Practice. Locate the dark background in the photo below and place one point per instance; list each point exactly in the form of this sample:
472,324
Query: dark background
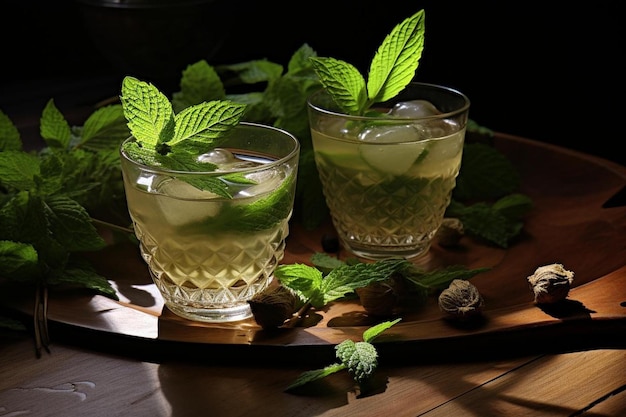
542,70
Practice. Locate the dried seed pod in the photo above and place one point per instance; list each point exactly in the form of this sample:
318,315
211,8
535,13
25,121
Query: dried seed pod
551,283
450,232
461,299
380,298
273,306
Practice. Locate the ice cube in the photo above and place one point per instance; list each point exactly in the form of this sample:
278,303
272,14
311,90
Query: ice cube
217,156
391,134
176,207
225,160
391,149
265,181
414,109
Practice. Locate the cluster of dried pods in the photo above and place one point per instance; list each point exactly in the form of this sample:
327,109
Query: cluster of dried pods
461,300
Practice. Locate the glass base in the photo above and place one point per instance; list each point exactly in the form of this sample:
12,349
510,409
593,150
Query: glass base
211,315
412,253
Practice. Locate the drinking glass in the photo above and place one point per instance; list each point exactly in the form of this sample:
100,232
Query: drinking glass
388,176
207,254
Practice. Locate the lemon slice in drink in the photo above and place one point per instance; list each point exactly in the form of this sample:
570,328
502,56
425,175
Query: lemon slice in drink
392,151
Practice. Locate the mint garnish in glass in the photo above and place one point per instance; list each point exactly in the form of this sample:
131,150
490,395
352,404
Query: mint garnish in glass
392,68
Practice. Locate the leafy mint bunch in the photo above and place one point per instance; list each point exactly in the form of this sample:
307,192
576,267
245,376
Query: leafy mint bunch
175,141
165,138
391,69
48,198
360,359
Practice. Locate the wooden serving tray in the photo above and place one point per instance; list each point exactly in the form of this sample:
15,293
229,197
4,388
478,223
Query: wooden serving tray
578,220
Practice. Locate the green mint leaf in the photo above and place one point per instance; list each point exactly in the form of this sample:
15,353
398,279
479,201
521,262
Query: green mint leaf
483,221
514,206
104,129
10,139
299,63
441,278
82,275
485,174
397,59
373,332
70,225
310,376
250,72
204,124
18,169
325,263
148,111
344,83
22,219
199,82
345,279
18,261
54,128
305,281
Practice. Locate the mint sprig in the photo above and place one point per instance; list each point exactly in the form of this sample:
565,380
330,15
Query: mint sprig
359,358
174,141
155,126
392,68
311,286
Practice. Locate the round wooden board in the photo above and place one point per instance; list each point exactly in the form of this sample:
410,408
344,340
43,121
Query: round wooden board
578,220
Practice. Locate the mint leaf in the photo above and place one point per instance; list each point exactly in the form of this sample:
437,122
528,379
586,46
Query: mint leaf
18,169
71,225
104,129
343,82
325,263
203,124
485,174
80,274
305,281
397,59
514,206
54,128
18,260
483,221
441,278
10,139
199,82
391,69
148,111
310,376
373,332
345,279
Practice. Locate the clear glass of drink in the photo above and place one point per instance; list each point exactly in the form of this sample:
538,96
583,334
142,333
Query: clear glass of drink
388,176
208,255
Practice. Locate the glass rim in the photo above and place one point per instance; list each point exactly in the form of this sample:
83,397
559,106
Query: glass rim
336,113
160,169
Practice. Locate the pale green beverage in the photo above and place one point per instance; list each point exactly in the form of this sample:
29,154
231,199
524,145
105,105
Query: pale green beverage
388,178
207,254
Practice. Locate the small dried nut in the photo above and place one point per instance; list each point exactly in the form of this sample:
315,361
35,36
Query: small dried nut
450,232
273,306
379,298
461,299
550,283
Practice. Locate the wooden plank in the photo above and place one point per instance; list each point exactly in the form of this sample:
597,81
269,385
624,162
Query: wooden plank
551,386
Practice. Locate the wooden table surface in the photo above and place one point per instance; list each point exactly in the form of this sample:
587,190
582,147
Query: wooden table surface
525,361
